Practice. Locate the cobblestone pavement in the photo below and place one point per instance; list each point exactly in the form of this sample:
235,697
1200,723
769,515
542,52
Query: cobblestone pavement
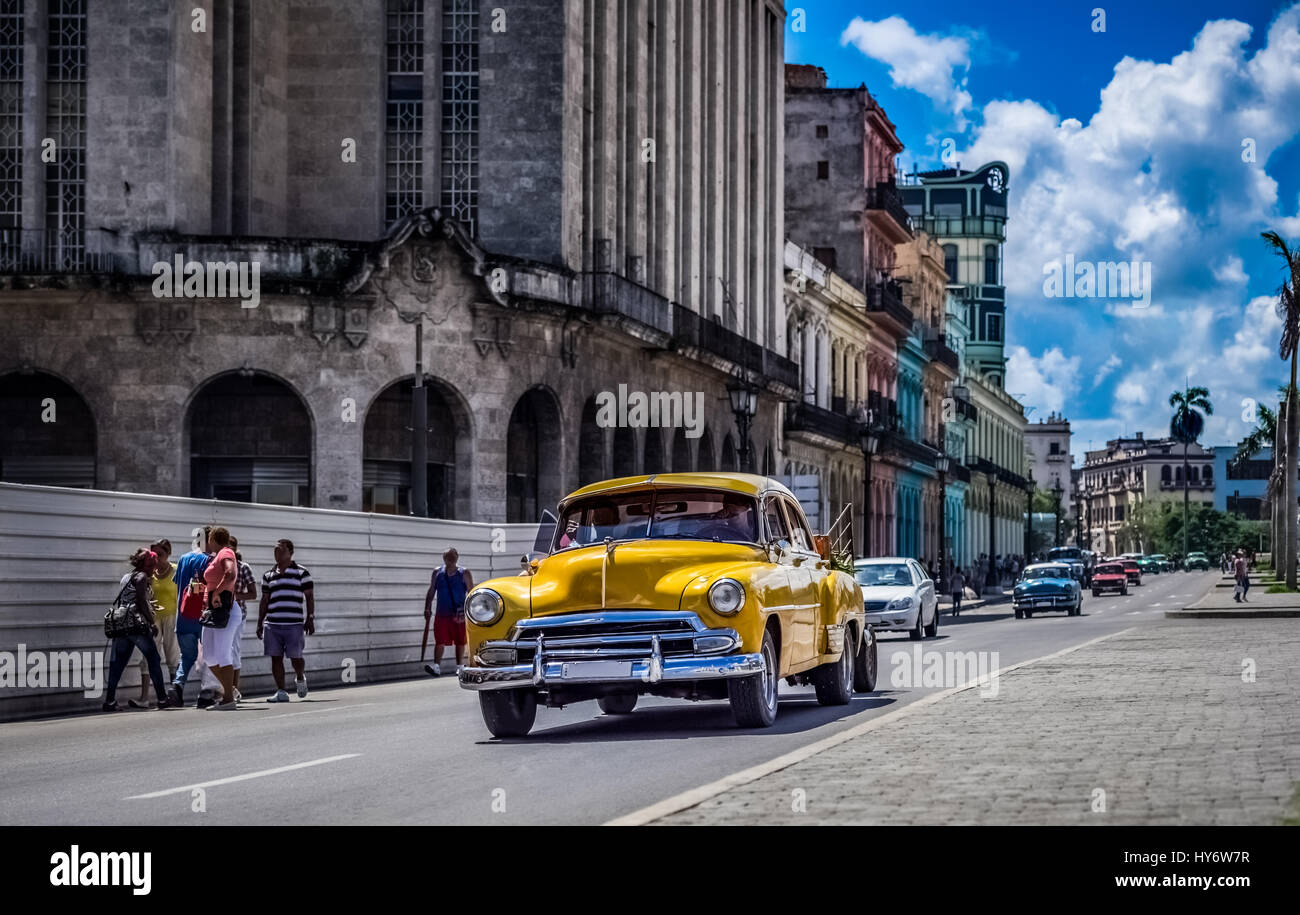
1159,718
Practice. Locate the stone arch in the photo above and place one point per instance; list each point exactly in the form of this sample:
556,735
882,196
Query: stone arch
729,461
681,452
386,450
591,446
50,435
249,438
534,451
624,452
704,456
654,461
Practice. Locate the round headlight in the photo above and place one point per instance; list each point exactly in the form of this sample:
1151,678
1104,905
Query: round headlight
900,603
484,607
726,596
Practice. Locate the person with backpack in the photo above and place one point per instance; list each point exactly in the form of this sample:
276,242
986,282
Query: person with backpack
449,584
137,593
189,576
220,619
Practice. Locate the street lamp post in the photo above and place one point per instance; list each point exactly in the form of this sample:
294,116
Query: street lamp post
941,464
870,439
991,579
1029,519
1056,511
744,405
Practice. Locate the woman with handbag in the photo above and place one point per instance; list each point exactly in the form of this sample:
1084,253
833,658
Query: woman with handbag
220,625
131,625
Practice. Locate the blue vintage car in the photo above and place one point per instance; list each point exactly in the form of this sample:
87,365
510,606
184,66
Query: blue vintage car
1047,586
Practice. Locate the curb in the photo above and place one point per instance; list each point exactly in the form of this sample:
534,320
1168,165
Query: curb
1225,613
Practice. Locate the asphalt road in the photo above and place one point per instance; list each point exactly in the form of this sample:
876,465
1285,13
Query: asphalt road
417,752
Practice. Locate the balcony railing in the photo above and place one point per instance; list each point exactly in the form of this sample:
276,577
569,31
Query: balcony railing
1194,484
691,329
948,226
885,196
912,450
807,417
37,252
887,298
939,351
609,293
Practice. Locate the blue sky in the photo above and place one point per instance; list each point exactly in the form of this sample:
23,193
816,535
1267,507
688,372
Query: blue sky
1124,144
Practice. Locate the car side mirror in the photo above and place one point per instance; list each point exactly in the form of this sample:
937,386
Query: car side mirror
779,549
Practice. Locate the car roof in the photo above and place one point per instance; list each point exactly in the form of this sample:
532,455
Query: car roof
1048,565
881,560
745,483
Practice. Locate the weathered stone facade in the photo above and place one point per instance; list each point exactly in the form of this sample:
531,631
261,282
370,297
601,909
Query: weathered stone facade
591,258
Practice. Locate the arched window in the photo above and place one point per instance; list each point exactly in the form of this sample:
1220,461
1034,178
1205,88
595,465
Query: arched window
49,432
591,446
251,441
386,451
1207,473
1166,474
533,456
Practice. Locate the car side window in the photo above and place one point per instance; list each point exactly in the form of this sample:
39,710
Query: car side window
776,526
918,573
798,527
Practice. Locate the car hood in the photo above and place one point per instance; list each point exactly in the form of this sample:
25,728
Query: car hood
638,575
1045,584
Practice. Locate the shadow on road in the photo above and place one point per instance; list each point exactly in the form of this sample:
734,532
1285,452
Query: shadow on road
798,713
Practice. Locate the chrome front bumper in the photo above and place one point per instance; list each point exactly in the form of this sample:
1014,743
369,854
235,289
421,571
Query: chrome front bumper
632,648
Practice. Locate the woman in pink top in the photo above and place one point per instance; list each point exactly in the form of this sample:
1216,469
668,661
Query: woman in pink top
219,644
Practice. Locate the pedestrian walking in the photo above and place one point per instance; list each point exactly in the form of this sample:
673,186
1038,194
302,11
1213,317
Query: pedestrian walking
137,592
285,616
245,591
221,620
449,584
1241,572
164,607
958,586
188,578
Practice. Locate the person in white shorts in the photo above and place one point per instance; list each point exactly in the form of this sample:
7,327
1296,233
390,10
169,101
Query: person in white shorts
219,579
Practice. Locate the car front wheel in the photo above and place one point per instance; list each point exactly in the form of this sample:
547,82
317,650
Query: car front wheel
508,712
917,632
753,699
933,629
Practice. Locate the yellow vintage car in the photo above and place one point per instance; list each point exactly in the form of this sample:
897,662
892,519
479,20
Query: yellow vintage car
689,586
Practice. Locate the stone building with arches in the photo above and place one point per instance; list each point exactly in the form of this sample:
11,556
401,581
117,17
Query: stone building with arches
387,165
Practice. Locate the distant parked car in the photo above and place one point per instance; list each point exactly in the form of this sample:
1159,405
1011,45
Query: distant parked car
1155,564
1109,576
1196,561
1047,586
898,596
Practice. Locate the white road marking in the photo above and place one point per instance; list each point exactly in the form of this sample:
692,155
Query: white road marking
1134,612
698,795
242,778
315,711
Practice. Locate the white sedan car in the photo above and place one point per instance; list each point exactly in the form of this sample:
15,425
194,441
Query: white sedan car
898,595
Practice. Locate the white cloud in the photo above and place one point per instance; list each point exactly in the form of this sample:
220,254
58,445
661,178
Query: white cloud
934,65
1044,382
1231,272
1107,367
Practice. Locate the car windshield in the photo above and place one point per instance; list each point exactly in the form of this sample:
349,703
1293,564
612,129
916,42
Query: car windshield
1044,573
685,514
1111,569
883,574
1066,552
1159,556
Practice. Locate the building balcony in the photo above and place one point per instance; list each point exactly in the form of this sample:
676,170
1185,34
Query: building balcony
885,208
609,293
809,418
36,252
939,351
973,226
1194,485
885,300
693,330
900,445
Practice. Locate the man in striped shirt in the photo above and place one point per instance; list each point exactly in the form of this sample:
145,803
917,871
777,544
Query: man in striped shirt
286,614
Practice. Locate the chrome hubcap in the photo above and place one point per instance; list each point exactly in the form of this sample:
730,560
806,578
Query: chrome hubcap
769,677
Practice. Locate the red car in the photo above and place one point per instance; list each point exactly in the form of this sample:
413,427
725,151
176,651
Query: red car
1109,576
1132,570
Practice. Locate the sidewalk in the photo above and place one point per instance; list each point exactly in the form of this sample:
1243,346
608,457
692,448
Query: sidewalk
985,600
1157,718
1218,603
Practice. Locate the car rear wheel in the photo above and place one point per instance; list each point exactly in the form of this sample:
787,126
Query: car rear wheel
864,668
753,699
933,629
834,682
1096,593
1124,591
508,712
1020,614
620,704
1029,614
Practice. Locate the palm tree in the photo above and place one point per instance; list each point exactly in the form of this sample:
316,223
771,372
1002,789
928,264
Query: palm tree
1288,309
1186,427
1265,435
